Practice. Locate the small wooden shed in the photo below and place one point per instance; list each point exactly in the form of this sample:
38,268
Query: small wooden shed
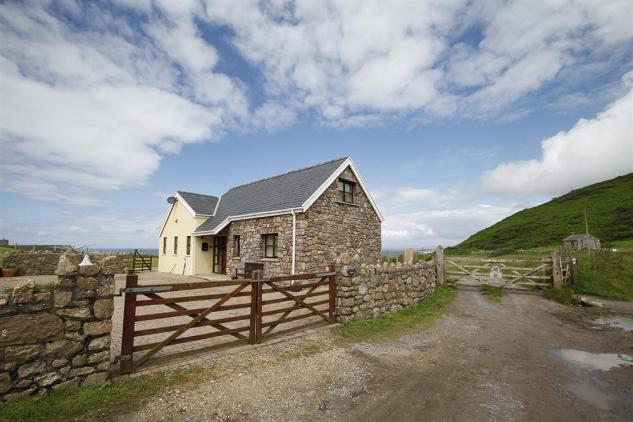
581,242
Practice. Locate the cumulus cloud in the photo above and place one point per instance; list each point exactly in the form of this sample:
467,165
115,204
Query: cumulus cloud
426,217
358,62
95,109
92,97
592,150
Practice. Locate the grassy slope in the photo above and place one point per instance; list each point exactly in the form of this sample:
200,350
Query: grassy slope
609,208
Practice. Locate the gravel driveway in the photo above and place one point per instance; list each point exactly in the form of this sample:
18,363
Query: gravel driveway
524,358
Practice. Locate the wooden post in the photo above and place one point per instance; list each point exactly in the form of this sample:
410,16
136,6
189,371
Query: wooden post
439,264
573,266
332,287
255,333
557,271
127,340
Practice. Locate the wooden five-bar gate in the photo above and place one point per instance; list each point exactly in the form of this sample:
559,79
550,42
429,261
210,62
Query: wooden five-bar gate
506,272
244,309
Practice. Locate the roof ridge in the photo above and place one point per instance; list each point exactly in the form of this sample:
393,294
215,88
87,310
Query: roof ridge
288,172
196,193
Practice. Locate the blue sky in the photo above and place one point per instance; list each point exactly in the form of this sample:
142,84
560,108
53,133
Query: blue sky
457,113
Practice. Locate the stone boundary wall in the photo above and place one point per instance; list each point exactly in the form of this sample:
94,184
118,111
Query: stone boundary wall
364,292
57,338
45,263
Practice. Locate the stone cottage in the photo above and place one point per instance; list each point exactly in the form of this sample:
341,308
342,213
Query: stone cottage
581,242
294,222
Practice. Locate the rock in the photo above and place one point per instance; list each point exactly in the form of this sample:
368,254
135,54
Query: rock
31,369
103,308
87,283
98,328
66,266
24,383
20,395
99,357
74,336
79,313
588,302
96,379
99,343
110,265
62,298
22,353
5,382
9,366
23,293
67,384
105,290
48,379
57,363
88,269
65,282
79,360
42,297
72,325
103,366
27,329
62,348
77,372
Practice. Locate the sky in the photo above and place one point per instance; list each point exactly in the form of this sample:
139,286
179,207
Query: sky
457,113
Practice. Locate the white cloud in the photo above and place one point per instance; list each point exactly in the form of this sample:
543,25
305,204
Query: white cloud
84,111
593,150
356,62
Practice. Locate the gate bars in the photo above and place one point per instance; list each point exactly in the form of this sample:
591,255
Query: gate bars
262,313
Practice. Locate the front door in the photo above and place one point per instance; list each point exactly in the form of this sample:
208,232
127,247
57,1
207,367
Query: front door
219,254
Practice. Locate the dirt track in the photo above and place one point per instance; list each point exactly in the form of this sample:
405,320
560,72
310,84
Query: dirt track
480,361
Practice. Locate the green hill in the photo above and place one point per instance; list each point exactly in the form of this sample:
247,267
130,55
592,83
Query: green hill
609,208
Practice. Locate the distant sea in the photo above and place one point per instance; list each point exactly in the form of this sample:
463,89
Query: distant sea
396,252
142,251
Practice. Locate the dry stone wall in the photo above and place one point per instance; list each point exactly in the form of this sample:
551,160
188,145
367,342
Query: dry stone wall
369,291
45,263
59,337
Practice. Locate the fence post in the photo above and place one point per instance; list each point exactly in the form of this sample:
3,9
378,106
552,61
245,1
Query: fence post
332,286
439,265
255,332
573,266
557,271
126,364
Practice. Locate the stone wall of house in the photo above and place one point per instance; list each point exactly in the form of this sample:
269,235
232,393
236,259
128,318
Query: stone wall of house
59,337
252,244
45,263
330,231
338,232
375,290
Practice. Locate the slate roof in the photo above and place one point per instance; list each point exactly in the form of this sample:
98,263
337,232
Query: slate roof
200,204
579,237
288,190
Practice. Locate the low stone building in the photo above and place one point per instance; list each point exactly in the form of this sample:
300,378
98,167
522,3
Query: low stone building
581,242
295,222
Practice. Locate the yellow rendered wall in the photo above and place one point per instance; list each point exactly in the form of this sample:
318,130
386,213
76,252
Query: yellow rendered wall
180,223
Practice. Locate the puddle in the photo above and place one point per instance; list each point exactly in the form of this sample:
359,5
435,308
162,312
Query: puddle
616,321
592,361
591,394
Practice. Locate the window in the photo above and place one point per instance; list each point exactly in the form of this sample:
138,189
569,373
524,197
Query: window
346,191
188,245
236,246
176,245
164,245
270,245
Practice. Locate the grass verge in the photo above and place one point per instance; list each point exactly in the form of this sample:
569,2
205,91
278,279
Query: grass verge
564,295
607,274
492,292
94,401
398,323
